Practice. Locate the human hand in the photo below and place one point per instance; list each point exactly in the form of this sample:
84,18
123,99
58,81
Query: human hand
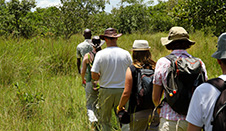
84,83
119,109
96,85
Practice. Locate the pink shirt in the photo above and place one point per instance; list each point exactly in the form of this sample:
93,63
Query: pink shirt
160,79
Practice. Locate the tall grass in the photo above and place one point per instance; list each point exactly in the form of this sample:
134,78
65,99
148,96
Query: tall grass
40,86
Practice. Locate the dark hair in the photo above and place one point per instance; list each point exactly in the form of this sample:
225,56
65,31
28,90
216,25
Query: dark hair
87,34
96,43
98,49
142,58
179,44
223,61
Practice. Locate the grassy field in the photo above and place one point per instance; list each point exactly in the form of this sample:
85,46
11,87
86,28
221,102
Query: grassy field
41,89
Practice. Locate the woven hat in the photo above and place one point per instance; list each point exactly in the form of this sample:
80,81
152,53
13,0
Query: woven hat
221,47
140,45
96,42
110,32
176,33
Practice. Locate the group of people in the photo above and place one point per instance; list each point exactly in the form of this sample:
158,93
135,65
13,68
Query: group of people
109,76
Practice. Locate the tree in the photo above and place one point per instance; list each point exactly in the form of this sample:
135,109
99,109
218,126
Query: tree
74,15
14,14
201,14
133,17
3,14
100,21
160,18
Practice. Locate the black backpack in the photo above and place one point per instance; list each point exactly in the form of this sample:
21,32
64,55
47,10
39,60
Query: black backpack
219,113
184,75
144,88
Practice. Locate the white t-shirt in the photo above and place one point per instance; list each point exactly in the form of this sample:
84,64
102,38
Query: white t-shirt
202,104
112,63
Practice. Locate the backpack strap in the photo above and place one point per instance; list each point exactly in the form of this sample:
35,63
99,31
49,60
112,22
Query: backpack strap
218,83
221,86
134,74
171,57
137,74
91,56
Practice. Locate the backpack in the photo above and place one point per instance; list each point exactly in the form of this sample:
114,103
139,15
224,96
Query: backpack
144,88
184,75
219,113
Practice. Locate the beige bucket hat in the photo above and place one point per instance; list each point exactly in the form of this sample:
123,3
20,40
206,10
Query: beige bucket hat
176,33
140,45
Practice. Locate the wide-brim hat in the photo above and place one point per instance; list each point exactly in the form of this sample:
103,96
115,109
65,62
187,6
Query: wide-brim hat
221,47
140,45
97,38
110,32
176,33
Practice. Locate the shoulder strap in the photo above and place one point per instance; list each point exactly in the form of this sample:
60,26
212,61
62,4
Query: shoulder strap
91,56
171,57
136,72
221,86
132,68
218,83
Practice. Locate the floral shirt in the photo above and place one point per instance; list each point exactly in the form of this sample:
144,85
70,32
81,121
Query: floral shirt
160,78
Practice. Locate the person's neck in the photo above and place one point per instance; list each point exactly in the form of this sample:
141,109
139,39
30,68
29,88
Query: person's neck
94,51
224,72
112,45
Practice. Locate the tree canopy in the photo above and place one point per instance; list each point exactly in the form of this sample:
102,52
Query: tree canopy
72,16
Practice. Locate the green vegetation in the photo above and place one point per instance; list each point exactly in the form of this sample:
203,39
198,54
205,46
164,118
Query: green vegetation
40,86
132,16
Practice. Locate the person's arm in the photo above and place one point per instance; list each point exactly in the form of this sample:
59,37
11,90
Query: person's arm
78,64
156,94
95,76
192,127
95,70
127,90
84,66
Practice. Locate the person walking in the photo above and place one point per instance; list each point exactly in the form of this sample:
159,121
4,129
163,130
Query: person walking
91,86
177,41
201,108
141,59
83,48
109,68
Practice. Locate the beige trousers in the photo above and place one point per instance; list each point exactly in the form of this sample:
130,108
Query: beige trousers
170,125
108,99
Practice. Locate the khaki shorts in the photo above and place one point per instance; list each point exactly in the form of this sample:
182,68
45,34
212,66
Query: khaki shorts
170,125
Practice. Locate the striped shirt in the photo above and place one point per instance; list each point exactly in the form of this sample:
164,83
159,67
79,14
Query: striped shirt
160,78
